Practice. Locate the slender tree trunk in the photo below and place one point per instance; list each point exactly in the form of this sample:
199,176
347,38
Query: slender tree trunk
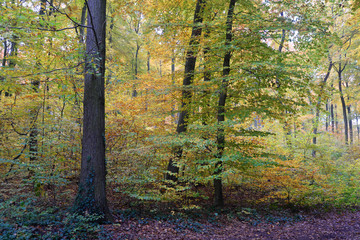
327,116
5,53
205,94
317,110
82,22
160,68
220,138
351,135
186,96
343,104
332,118
91,196
173,83
134,93
287,127
34,132
358,127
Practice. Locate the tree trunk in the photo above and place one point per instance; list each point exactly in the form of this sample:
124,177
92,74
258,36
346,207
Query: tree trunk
83,21
358,127
34,132
134,93
350,119
91,196
220,137
317,114
336,120
343,104
327,116
5,53
350,125
186,96
332,118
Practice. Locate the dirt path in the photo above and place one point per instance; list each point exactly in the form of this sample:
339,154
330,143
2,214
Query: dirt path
326,226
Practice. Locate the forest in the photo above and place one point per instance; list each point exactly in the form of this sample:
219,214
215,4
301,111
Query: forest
182,119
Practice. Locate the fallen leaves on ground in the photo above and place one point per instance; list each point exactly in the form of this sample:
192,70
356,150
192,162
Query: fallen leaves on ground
326,226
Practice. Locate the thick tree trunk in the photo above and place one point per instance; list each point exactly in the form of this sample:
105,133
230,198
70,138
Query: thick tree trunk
186,96
91,197
220,138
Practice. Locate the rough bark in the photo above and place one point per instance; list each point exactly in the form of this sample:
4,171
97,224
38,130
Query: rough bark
91,196
186,96
220,138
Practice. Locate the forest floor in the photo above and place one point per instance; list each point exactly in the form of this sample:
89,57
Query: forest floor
43,218
330,225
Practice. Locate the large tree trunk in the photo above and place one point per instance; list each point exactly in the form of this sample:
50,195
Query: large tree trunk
186,96
220,138
91,197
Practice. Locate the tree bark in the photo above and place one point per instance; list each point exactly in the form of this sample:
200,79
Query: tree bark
186,96
343,104
332,118
135,93
351,135
350,125
327,116
91,196
220,138
82,22
317,113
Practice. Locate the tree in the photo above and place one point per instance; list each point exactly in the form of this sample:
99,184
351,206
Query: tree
220,138
190,62
91,197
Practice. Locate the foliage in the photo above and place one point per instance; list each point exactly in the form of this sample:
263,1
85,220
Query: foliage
26,219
